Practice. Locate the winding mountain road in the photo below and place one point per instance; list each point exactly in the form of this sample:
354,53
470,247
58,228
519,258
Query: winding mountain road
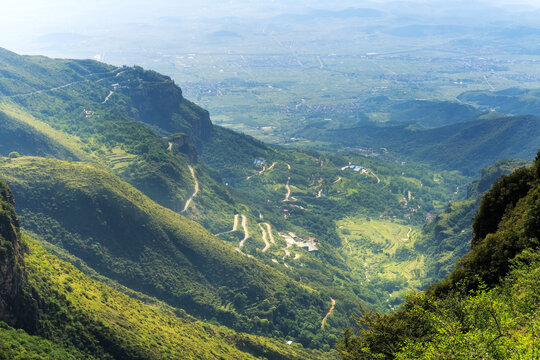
287,196
269,229
265,239
235,225
323,322
108,97
263,170
246,232
408,235
68,84
188,202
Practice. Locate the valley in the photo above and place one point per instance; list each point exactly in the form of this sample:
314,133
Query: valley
134,185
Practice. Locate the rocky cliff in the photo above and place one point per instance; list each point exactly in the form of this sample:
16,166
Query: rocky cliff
159,102
12,275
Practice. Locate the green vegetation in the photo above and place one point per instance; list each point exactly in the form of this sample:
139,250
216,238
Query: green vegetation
382,253
72,316
363,212
447,238
125,236
509,101
466,146
488,306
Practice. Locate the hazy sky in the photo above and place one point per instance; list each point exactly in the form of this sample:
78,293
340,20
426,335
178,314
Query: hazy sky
22,22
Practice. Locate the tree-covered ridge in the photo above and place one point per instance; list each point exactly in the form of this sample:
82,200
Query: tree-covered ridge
487,306
448,237
467,146
122,234
146,153
70,316
510,101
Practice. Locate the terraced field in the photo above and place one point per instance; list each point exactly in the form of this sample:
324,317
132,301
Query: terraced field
382,251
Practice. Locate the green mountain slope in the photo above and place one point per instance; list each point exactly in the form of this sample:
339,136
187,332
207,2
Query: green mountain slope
135,135
509,101
70,316
447,238
122,234
467,146
488,306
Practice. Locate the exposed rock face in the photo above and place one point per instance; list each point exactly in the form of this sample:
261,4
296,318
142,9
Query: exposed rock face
12,276
159,102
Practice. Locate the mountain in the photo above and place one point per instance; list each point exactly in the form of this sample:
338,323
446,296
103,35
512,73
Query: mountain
123,235
448,237
509,101
487,305
138,180
60,313
467,146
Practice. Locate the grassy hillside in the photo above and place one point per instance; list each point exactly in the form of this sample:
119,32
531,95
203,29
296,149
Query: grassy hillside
74,317
488,306
124,235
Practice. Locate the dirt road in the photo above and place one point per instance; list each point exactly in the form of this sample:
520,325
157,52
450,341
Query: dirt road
265,239
108,97
329,312
196,188
246,232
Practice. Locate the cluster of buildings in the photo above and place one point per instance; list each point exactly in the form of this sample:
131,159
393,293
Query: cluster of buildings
305,242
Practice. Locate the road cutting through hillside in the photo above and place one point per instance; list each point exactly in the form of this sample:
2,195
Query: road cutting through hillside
263,170
337,180
246,232
408,235
372,173
329,313
270,235
66,85
264,237
235,225
196,188
108,97
288,191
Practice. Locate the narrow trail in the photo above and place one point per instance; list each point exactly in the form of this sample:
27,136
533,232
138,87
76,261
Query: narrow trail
269,229
337,180
196,188
68,84
265,239
323,322
108,97
235,225
408,235
263,170
243,253
246,232
372,173
169,148
287,196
